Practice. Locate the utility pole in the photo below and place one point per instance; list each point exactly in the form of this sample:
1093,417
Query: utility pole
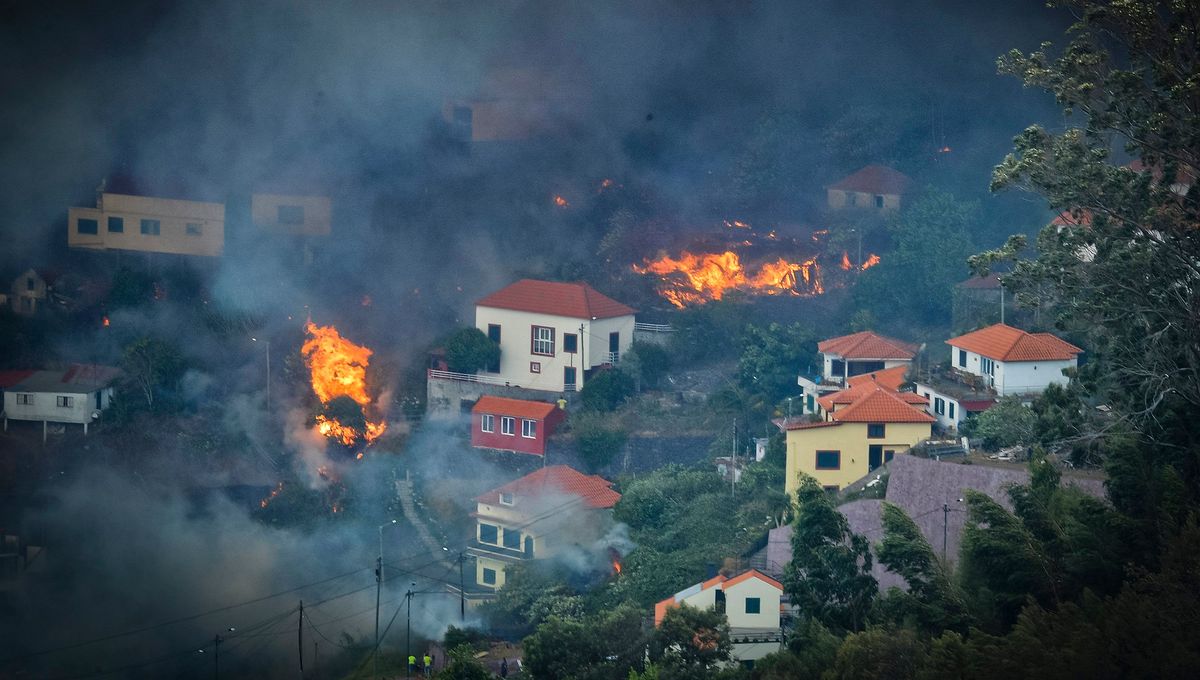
462,589
378,589
300,638
733,463
217,640
1002,303
945,528
408,631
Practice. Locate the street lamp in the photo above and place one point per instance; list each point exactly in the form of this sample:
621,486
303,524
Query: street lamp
268,344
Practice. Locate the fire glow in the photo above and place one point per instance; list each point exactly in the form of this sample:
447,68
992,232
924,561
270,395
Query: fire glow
871,261
338,368
696,279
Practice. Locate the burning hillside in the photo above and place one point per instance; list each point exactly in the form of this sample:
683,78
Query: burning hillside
338,370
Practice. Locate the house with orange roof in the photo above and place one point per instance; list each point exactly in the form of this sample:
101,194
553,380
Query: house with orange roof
832,403
855,438
994,362
552,335
751,604
513,424
863,352
552,510
875,187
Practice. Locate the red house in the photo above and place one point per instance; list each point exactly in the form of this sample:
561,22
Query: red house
513,424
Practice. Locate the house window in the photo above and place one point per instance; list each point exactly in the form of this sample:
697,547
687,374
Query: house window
529,428
543,341
508,425
962,358
506,498
291,214
65,402
30,284
939,406
888,455
487,423
535,367
878,201
512,539
831,487
192,229
116,225
875,430
25,399
987,366
753,605
952,410
851,199
489,576
151,227
86,226
829,460
493,334
570,343
489,533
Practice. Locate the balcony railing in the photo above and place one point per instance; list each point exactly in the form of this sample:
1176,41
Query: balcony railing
466,377
653,327
612,358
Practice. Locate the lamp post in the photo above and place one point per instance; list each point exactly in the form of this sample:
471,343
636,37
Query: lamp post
408,630
268,344
378,591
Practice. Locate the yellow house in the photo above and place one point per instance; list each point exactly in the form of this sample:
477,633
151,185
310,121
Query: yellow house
292,214
854,440
750,602
533,517
875,187
149,225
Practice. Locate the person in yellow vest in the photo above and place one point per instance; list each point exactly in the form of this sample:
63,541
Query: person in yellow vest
412,663
428,664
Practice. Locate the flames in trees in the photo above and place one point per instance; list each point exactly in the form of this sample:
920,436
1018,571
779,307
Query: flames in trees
847,265
698,278
338,369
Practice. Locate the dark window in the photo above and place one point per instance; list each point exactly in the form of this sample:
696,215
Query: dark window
86,226
291,214
951,410
25,399
962,358
569,378
988,366
939,406
570,343
30,284
488,424
875,430
829,460
489,534
888,456
116,224
508,425
65,402
192,229
489,576
512,539
535,367
719,601
151,227
493,335
753,605
878,201
529,429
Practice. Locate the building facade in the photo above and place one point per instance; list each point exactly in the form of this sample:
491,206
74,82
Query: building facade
513,424
1012,361
865,352
875,187
296,215
750,602
76,395
149,225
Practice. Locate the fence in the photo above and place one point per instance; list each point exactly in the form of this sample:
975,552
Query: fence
466,377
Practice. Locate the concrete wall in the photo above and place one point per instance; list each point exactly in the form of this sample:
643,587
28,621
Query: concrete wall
444,398
317,214
851,440
27,298
945,420
735,604
175,218
838,199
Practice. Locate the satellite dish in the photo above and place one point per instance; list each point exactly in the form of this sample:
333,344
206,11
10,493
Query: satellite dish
95,415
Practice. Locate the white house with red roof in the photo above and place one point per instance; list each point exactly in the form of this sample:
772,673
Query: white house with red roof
863,352
551,334
993,362
552,510
750,602
875,187
513,424
76,395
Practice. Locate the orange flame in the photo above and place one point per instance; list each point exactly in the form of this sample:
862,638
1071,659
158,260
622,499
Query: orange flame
696,279
270,497
105,322
561,202
338,368
845,261
737,224
616,567
872,260
605,184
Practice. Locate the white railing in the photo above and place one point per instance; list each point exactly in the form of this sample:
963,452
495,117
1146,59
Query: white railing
612,358
653,327
466,377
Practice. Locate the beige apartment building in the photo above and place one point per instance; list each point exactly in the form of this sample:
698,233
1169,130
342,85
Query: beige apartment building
149,225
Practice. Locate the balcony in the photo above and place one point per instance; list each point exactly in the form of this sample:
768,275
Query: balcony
466,377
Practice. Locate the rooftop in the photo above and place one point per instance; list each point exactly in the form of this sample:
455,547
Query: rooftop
875,179
867,345
573,300
1005,343
881,406
520,408
719,581
77,379
593,490
954,385
857,390
891,378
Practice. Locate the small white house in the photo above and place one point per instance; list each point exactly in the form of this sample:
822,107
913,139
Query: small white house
750,602
1012,361
76,395
552,335
864,352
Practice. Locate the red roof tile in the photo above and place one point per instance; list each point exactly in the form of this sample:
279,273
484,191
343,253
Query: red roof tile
867,345
1001,342
809,426
855,392
573,300
881,406
593,490
875,179
891,378
1069,218
513,407
10,378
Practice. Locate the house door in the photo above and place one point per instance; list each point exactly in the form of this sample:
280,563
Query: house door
614,347
98,399
569,378
874,456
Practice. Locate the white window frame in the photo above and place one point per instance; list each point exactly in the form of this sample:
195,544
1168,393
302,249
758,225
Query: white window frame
508,425
542,343
528,428
987,366
24,399
506,499
487,423
65,401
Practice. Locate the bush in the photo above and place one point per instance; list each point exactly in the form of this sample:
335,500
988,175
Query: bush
648,362
1008,423
469,350
597,440
606,391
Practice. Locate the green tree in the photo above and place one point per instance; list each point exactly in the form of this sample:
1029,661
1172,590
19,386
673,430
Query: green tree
829,577
606,645
469,350
647,362
691,641
463,665
606,390
153,368
773,356
878,654
598,439
1007,423
932,601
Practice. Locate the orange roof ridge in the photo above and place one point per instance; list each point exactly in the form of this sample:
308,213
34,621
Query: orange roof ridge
572,300
1002,342
881,406
867,345
752,573
874,179
594,491
891,378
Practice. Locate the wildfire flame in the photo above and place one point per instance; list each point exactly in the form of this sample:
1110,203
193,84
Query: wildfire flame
561,202
871,261
338,368
270,497
106,322
616,567
845,261
696,279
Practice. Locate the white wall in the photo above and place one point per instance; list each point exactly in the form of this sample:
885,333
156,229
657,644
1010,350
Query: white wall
943,419
45,406
1030,377
735,604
